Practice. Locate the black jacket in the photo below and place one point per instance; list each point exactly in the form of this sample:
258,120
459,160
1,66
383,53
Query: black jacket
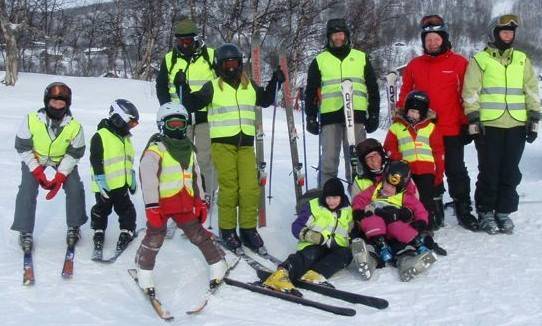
314,82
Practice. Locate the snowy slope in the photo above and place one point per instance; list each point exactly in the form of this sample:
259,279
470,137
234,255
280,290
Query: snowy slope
485,280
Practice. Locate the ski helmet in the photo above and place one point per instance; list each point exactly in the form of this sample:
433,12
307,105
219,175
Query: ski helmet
172,120
435,24
229,61
368,146
123,114
397,173
417,100
336,25
57,91
505,22
187,38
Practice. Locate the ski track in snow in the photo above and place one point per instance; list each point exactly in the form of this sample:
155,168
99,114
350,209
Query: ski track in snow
485,280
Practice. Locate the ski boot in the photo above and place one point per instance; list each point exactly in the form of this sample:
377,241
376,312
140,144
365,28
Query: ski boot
363,258
125,237
280,281
72,236
315,278
26,241
464,216
231,240
411,264
488,222
145,280
98,238
217,271
251,238
504,223
384,251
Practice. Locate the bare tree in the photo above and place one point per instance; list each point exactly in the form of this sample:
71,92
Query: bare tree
10,28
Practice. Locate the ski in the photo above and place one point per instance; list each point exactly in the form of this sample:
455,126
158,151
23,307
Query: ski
28,269
258,288
117,253
151,295
211,291
242,254
265,255
347,89
391,92
260,159
374,302
67,269
297,167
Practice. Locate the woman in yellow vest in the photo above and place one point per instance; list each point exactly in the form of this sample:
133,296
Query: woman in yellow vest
171,187
413,137
113,176
386,212
323,228
50,137
502,104
231,100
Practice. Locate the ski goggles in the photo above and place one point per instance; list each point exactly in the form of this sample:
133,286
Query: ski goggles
433,23
231,64
132,123
508,20
175,124
185,40
59,92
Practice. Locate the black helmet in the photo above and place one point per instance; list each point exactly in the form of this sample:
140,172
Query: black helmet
367,146
417,100
123,114
337,25
58,91
397,173
229,51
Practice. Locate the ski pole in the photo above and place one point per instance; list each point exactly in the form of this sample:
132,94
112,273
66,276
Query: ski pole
272,141
301,99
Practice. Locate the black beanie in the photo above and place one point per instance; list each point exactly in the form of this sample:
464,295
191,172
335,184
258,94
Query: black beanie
333,187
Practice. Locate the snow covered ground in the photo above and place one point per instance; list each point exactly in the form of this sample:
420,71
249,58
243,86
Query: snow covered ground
485,280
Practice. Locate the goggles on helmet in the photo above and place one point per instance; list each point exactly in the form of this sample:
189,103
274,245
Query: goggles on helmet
59,92
508,20
433,23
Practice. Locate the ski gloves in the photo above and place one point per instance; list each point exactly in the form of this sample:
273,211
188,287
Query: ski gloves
311,236
56,183
476,128
278,76
180,78
312,125
200,210
102,185
391,214
41,178
371,124
532,126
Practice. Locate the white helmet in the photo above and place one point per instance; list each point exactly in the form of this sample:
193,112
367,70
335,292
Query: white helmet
169,109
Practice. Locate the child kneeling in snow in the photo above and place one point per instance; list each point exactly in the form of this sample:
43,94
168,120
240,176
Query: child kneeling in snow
323,228
171,185
386,211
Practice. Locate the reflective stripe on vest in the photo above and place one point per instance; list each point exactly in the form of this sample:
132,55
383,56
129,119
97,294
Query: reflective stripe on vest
378,202
46,149
232,110
363,183
414,150
118,160
324,221
333,71
197,73
173,178
502,87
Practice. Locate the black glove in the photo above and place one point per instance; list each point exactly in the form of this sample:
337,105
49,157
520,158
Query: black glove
358,215
180,78
419,225
532,130
475,127
278,76
390,214
371,124
405,214
312,125
465,136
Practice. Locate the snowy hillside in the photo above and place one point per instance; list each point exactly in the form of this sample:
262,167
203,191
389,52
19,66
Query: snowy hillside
484,280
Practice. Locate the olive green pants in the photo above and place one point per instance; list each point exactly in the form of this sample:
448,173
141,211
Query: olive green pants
237,185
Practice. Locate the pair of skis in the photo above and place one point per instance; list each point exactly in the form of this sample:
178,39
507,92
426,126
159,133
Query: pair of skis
97,254
28,266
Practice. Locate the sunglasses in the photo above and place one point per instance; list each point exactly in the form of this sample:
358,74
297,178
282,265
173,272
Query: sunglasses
507,20
175,124
132,123
185,40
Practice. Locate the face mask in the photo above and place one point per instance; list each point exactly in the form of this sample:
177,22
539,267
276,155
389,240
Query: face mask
54,113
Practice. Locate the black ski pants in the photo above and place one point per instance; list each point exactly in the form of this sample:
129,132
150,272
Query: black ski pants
456,171
119,199
424,183
323,260
499,153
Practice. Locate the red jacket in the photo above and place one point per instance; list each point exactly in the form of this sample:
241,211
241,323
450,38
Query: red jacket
441,77
391,145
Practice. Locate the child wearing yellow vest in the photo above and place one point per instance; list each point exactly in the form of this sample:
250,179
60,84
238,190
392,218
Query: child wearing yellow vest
171,186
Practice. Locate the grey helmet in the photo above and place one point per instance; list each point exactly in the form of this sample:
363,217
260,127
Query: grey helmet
510,21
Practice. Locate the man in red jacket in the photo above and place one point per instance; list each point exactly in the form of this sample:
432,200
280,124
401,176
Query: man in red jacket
439,73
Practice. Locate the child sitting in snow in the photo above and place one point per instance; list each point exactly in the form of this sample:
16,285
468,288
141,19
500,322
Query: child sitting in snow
386,211
323,228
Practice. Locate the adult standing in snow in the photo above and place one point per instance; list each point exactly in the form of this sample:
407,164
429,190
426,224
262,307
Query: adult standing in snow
439,73
231,100
50,137
503,108
337,62
194,59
